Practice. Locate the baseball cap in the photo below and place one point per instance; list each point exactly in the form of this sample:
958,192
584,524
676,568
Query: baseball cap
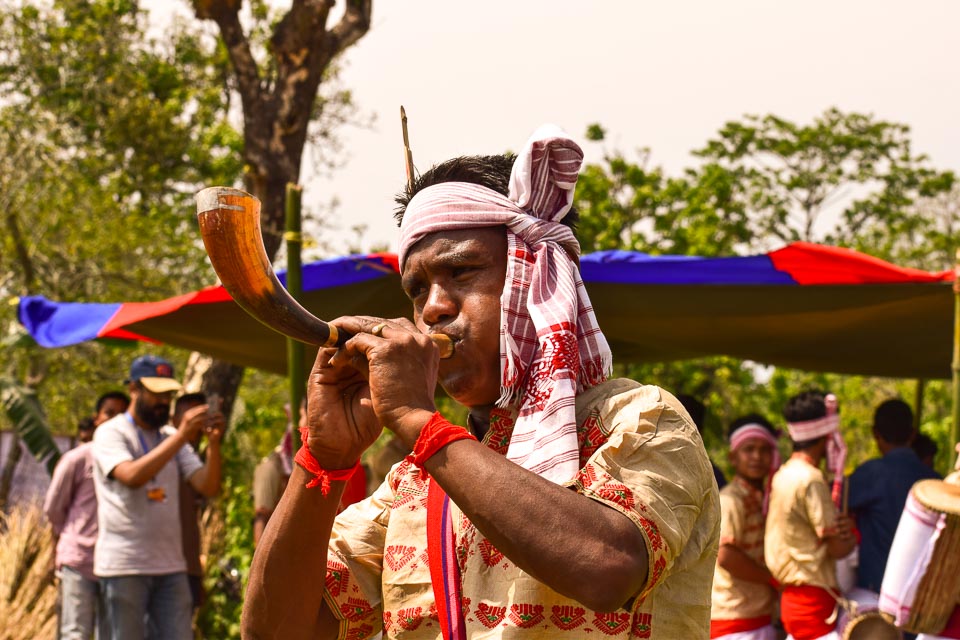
154,373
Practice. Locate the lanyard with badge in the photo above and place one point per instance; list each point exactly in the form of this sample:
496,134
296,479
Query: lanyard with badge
155,492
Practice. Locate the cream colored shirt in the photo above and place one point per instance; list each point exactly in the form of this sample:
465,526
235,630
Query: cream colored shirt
801,511
742,526
640,455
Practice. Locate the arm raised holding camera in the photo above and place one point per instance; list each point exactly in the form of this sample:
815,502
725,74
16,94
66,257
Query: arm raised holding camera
205,419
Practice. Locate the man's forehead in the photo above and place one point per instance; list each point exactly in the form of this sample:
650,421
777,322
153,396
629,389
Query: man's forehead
433,246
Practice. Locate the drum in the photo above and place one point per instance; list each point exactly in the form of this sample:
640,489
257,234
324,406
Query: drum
921,584
861,619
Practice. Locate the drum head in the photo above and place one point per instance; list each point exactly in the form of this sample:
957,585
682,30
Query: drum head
938,495
871,626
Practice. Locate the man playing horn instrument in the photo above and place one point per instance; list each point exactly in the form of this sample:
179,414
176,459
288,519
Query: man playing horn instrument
569,504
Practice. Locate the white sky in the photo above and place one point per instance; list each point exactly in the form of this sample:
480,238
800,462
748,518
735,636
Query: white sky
480,77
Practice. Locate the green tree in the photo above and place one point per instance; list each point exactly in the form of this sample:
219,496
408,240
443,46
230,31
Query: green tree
283,69
105,134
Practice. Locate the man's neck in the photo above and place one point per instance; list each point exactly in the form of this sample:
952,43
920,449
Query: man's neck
756,484
806,457
479,420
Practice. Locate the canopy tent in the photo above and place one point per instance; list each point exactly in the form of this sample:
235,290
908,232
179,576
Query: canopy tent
803,306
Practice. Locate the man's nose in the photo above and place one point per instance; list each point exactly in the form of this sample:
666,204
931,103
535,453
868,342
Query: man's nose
439,306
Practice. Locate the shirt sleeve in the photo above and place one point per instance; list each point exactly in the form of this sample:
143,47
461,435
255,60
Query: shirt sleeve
110,448
56,504
355,563
187,460
653,469
731,520
819,506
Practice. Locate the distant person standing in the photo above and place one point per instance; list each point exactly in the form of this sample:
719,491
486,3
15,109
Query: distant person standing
192,502
805,535
139,460
879,489
71,508
926,448
744,591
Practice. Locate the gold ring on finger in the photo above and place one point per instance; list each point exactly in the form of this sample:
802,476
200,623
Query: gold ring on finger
378,329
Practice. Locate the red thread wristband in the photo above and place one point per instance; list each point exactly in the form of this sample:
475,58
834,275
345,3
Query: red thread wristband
321,477
436,434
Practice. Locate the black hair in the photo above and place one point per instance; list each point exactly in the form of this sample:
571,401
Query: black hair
188,398
751,418
924,446
695,408
893,421
85,424
492,172
112,395
808,405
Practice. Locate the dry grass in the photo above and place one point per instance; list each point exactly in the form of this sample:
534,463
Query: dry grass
27,594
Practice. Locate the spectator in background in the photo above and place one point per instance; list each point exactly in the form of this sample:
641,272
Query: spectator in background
85,430
744,591
71,508
110,404
139,460
926,449
805,535
699,413
192,503
879,488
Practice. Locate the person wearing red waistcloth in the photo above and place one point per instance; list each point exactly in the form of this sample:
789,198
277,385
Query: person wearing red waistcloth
805,534
744,591
569,504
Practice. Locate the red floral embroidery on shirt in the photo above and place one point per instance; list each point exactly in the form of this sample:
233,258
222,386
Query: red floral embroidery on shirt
464,607
355,609
618,493
397,555
526,615
612,623
567,617
490,616
500,430
642,625
359,633
653,534
387,621
411,488
590,436
338,576
410,618
490,554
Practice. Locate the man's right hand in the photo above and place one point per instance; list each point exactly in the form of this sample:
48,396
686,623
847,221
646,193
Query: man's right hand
340,419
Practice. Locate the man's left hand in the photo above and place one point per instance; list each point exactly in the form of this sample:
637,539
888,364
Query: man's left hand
400,364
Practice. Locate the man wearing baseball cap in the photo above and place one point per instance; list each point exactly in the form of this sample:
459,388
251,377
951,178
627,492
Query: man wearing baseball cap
139,460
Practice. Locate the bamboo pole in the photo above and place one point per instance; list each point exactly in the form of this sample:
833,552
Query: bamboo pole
295,353
956,360
918,405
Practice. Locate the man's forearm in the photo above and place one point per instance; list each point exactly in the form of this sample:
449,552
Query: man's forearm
208,477
577,546
742,566
136,473
284,596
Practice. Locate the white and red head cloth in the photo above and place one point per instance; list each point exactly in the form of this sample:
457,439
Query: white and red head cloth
829,425
754,430
551,347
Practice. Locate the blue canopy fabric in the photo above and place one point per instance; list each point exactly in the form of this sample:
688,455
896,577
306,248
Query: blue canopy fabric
803,306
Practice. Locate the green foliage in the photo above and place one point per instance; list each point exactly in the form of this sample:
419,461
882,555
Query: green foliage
105,136
765,181
25,413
